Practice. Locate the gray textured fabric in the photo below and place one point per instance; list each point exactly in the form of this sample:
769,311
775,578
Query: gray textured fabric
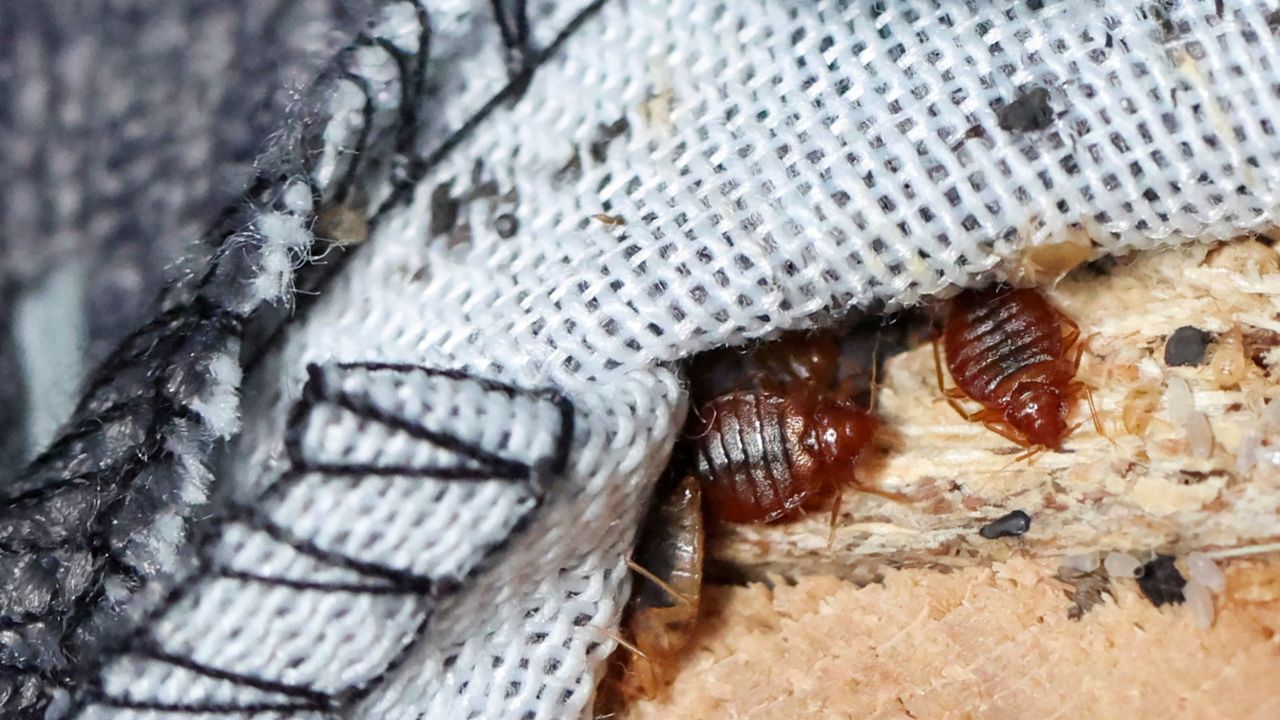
476,241
126,129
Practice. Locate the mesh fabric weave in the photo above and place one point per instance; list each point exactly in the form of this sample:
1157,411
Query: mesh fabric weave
511,223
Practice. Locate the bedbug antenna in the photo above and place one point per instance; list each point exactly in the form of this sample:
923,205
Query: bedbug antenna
835,513
1093,413
646,574
708,423
948,395
1028,455
618,639
875,368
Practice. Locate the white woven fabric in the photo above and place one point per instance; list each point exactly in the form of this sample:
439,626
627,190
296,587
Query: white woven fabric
676,176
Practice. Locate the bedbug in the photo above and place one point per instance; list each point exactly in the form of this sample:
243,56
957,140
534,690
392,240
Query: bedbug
761,453
1012,351
663,610
749,471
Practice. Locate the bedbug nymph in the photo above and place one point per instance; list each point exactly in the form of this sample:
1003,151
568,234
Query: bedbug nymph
760,454
1010,350
663,610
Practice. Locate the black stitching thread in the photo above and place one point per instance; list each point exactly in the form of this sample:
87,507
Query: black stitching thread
316,391
319,389
248,709
501,466
156,342
155,652
159,341
437,472
418,168
343,185
512,18
307,585
411,100
415,170
253,518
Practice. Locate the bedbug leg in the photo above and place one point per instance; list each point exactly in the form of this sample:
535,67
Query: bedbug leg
1093,413
708,424
993,421
1029,454
1080,388
953,394
1072,334
835,513
644,572
1003,431
875,367
619,639
1079,348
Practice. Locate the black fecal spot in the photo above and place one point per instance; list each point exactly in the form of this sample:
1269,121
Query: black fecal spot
1012,525
1273,20
506,225
1035,4
1159,11
1186,347
571,171
486,189
444,210
1028,112
605,135
1161,582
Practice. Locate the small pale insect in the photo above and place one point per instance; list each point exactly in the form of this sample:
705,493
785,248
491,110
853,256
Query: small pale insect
663,610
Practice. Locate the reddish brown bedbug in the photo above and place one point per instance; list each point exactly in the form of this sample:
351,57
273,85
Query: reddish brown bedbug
1010,349
761,453
756,454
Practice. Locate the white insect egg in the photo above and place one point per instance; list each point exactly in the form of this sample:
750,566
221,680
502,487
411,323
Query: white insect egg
1247,455
1200,602
1083,562
1179,400
1199,435
1120,564
1269,454
1205,571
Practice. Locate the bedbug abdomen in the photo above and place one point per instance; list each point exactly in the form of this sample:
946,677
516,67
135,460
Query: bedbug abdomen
1005,349
751,456
661,619
994,336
